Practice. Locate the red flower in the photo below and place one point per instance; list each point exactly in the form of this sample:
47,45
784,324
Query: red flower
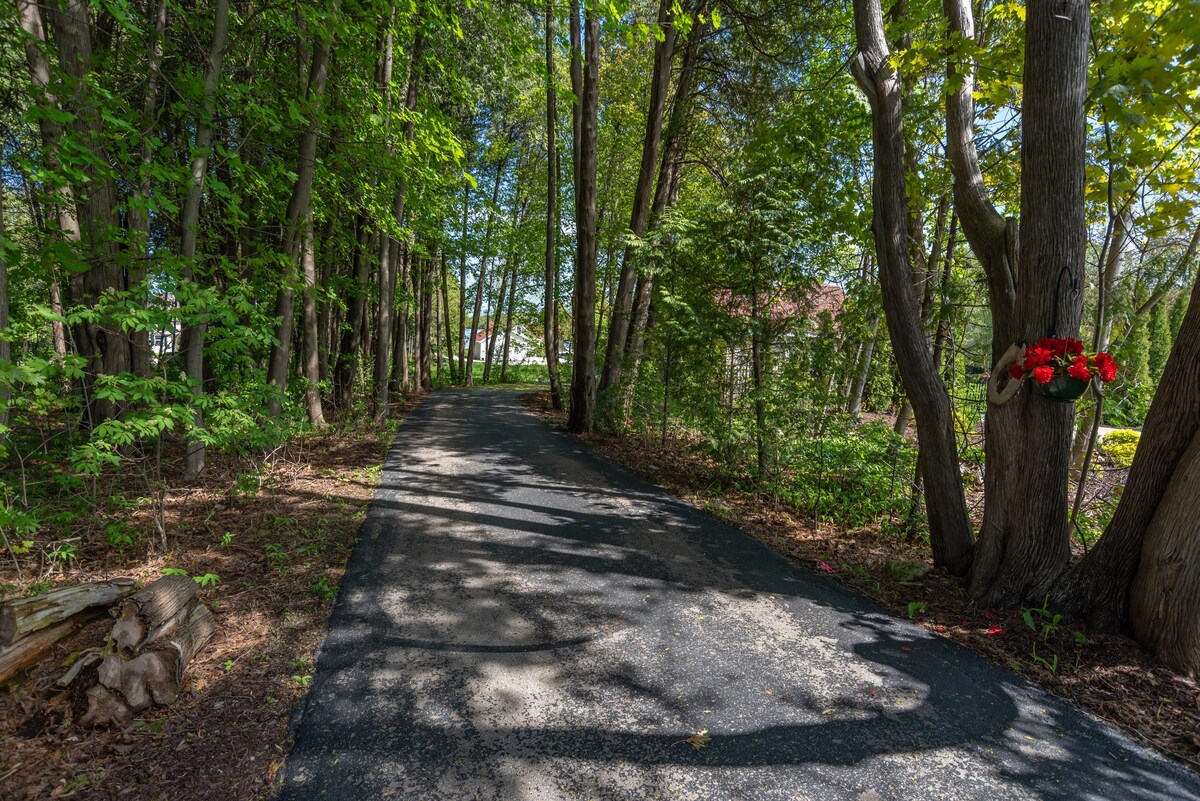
1037,356
1105,366
996,631
1043,375
1074,347
1016,372
1079,369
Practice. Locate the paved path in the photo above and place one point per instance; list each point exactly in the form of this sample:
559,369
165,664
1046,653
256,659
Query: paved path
522,620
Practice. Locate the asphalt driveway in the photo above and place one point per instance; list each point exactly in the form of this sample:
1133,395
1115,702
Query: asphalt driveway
521,620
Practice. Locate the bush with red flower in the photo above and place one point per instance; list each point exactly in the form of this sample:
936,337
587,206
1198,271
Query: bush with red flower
1055,356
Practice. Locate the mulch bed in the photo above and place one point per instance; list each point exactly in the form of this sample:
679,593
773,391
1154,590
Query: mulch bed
277,531
1109,676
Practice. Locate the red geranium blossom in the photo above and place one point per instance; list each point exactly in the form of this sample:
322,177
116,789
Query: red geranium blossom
1055,356
1079,369
1105,366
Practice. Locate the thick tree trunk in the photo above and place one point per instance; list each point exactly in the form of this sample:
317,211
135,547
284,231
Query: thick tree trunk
105,344
189,229
148,612
155,676
666,190
622,309
1166,587
950,532
583,378
550,296
1024,545
297,212
1138,542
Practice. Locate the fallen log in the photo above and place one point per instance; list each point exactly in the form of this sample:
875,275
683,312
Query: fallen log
29,649
24,616
154,676
151,612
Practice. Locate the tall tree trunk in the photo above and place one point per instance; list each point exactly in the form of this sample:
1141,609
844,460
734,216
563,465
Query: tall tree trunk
757,358
297,212
1024,546
33,26
508,323
950,531
5,343
493,324
576,70
583,377
312,341
94,222
510,269
622,309
450,345
425,321
462,288
550,297
387,328
481,283
349,356
666,190
400,365
138,215
189,230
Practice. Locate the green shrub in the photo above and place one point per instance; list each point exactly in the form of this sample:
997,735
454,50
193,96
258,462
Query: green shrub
1121,445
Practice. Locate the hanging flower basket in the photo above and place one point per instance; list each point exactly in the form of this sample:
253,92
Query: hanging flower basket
1061,369
1063,388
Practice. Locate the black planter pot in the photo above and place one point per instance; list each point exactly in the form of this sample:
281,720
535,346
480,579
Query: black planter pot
1063,388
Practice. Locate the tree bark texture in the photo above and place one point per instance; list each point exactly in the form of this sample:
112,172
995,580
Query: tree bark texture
1138,542
106,346
1024,544
949,526
299,207
550,296
190,223
622,308
583,376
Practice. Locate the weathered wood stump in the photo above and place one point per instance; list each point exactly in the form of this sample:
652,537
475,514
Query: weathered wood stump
153,676
151,612
27,615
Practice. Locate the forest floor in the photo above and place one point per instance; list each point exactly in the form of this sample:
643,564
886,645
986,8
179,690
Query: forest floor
276,531
1109,676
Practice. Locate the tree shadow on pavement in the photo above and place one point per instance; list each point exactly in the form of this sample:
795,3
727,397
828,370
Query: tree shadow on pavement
523,620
